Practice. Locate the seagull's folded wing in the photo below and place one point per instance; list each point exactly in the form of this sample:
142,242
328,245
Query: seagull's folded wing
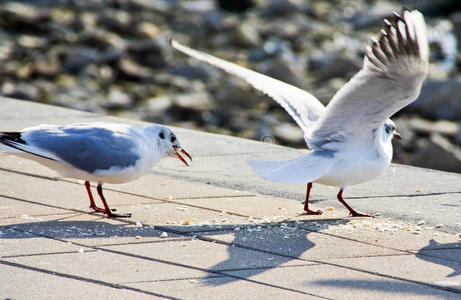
393,71
306,168
302,106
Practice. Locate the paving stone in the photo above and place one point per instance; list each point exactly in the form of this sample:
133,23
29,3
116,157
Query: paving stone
208,255
435,271
335,282
297,243
23,283
219,287
106,266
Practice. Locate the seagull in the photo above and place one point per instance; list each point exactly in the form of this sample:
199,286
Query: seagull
351,137
98,152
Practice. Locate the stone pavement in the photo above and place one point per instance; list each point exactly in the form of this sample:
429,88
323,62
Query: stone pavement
215,231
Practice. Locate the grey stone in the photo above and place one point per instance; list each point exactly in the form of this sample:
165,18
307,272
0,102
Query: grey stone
287,67
289,133
133,70
117,100
75,59
439,99
439,154
246,35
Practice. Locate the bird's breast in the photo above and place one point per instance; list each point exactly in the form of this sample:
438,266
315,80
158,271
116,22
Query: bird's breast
356,169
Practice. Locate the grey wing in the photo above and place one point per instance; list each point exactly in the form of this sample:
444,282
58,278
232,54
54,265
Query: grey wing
88,147
394,68
302,106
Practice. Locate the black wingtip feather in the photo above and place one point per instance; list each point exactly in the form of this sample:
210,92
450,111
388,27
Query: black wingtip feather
12,136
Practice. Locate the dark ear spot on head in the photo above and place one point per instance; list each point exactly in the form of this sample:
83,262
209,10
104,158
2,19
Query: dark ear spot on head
161,135
173,138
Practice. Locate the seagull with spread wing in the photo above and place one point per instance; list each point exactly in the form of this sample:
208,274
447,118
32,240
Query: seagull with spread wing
351,137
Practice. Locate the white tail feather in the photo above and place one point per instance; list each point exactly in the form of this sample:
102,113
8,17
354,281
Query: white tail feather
306,168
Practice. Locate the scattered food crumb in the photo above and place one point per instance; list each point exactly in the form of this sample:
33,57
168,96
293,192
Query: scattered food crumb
164,235
138,237
187,222
418,191
193,281
80,250
330,208
138,224
439,226
421,222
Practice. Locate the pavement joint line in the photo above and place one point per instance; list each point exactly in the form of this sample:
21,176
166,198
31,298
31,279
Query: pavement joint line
170,263
428,284
175,279
67,214
43,254
85,279
380,246
442,258
47,205
29,174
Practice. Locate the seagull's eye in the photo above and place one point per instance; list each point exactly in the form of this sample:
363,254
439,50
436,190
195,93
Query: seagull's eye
161,135
173,139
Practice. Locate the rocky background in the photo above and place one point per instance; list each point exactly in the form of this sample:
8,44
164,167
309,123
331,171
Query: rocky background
112,56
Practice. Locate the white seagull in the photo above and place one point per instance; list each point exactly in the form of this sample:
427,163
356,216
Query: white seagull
351,136
98,152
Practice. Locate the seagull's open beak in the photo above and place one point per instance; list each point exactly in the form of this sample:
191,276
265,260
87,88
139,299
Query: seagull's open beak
177,150
397,135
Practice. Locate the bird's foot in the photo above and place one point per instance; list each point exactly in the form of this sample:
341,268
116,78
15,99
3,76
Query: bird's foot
356,214
110,214
99,209
313,212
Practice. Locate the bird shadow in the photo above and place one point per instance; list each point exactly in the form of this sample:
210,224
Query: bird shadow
252,248
380,285
445,254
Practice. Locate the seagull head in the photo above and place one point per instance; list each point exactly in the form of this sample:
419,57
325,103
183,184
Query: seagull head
167,142
389,131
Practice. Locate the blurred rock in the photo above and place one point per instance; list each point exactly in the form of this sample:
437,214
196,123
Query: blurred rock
286,67
155,109
131,70
22,90
14,13
330,65
441,127
439,99
438,147
149,53
193,102
235,6
288,133
117,100
246,35
374,15
77,58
